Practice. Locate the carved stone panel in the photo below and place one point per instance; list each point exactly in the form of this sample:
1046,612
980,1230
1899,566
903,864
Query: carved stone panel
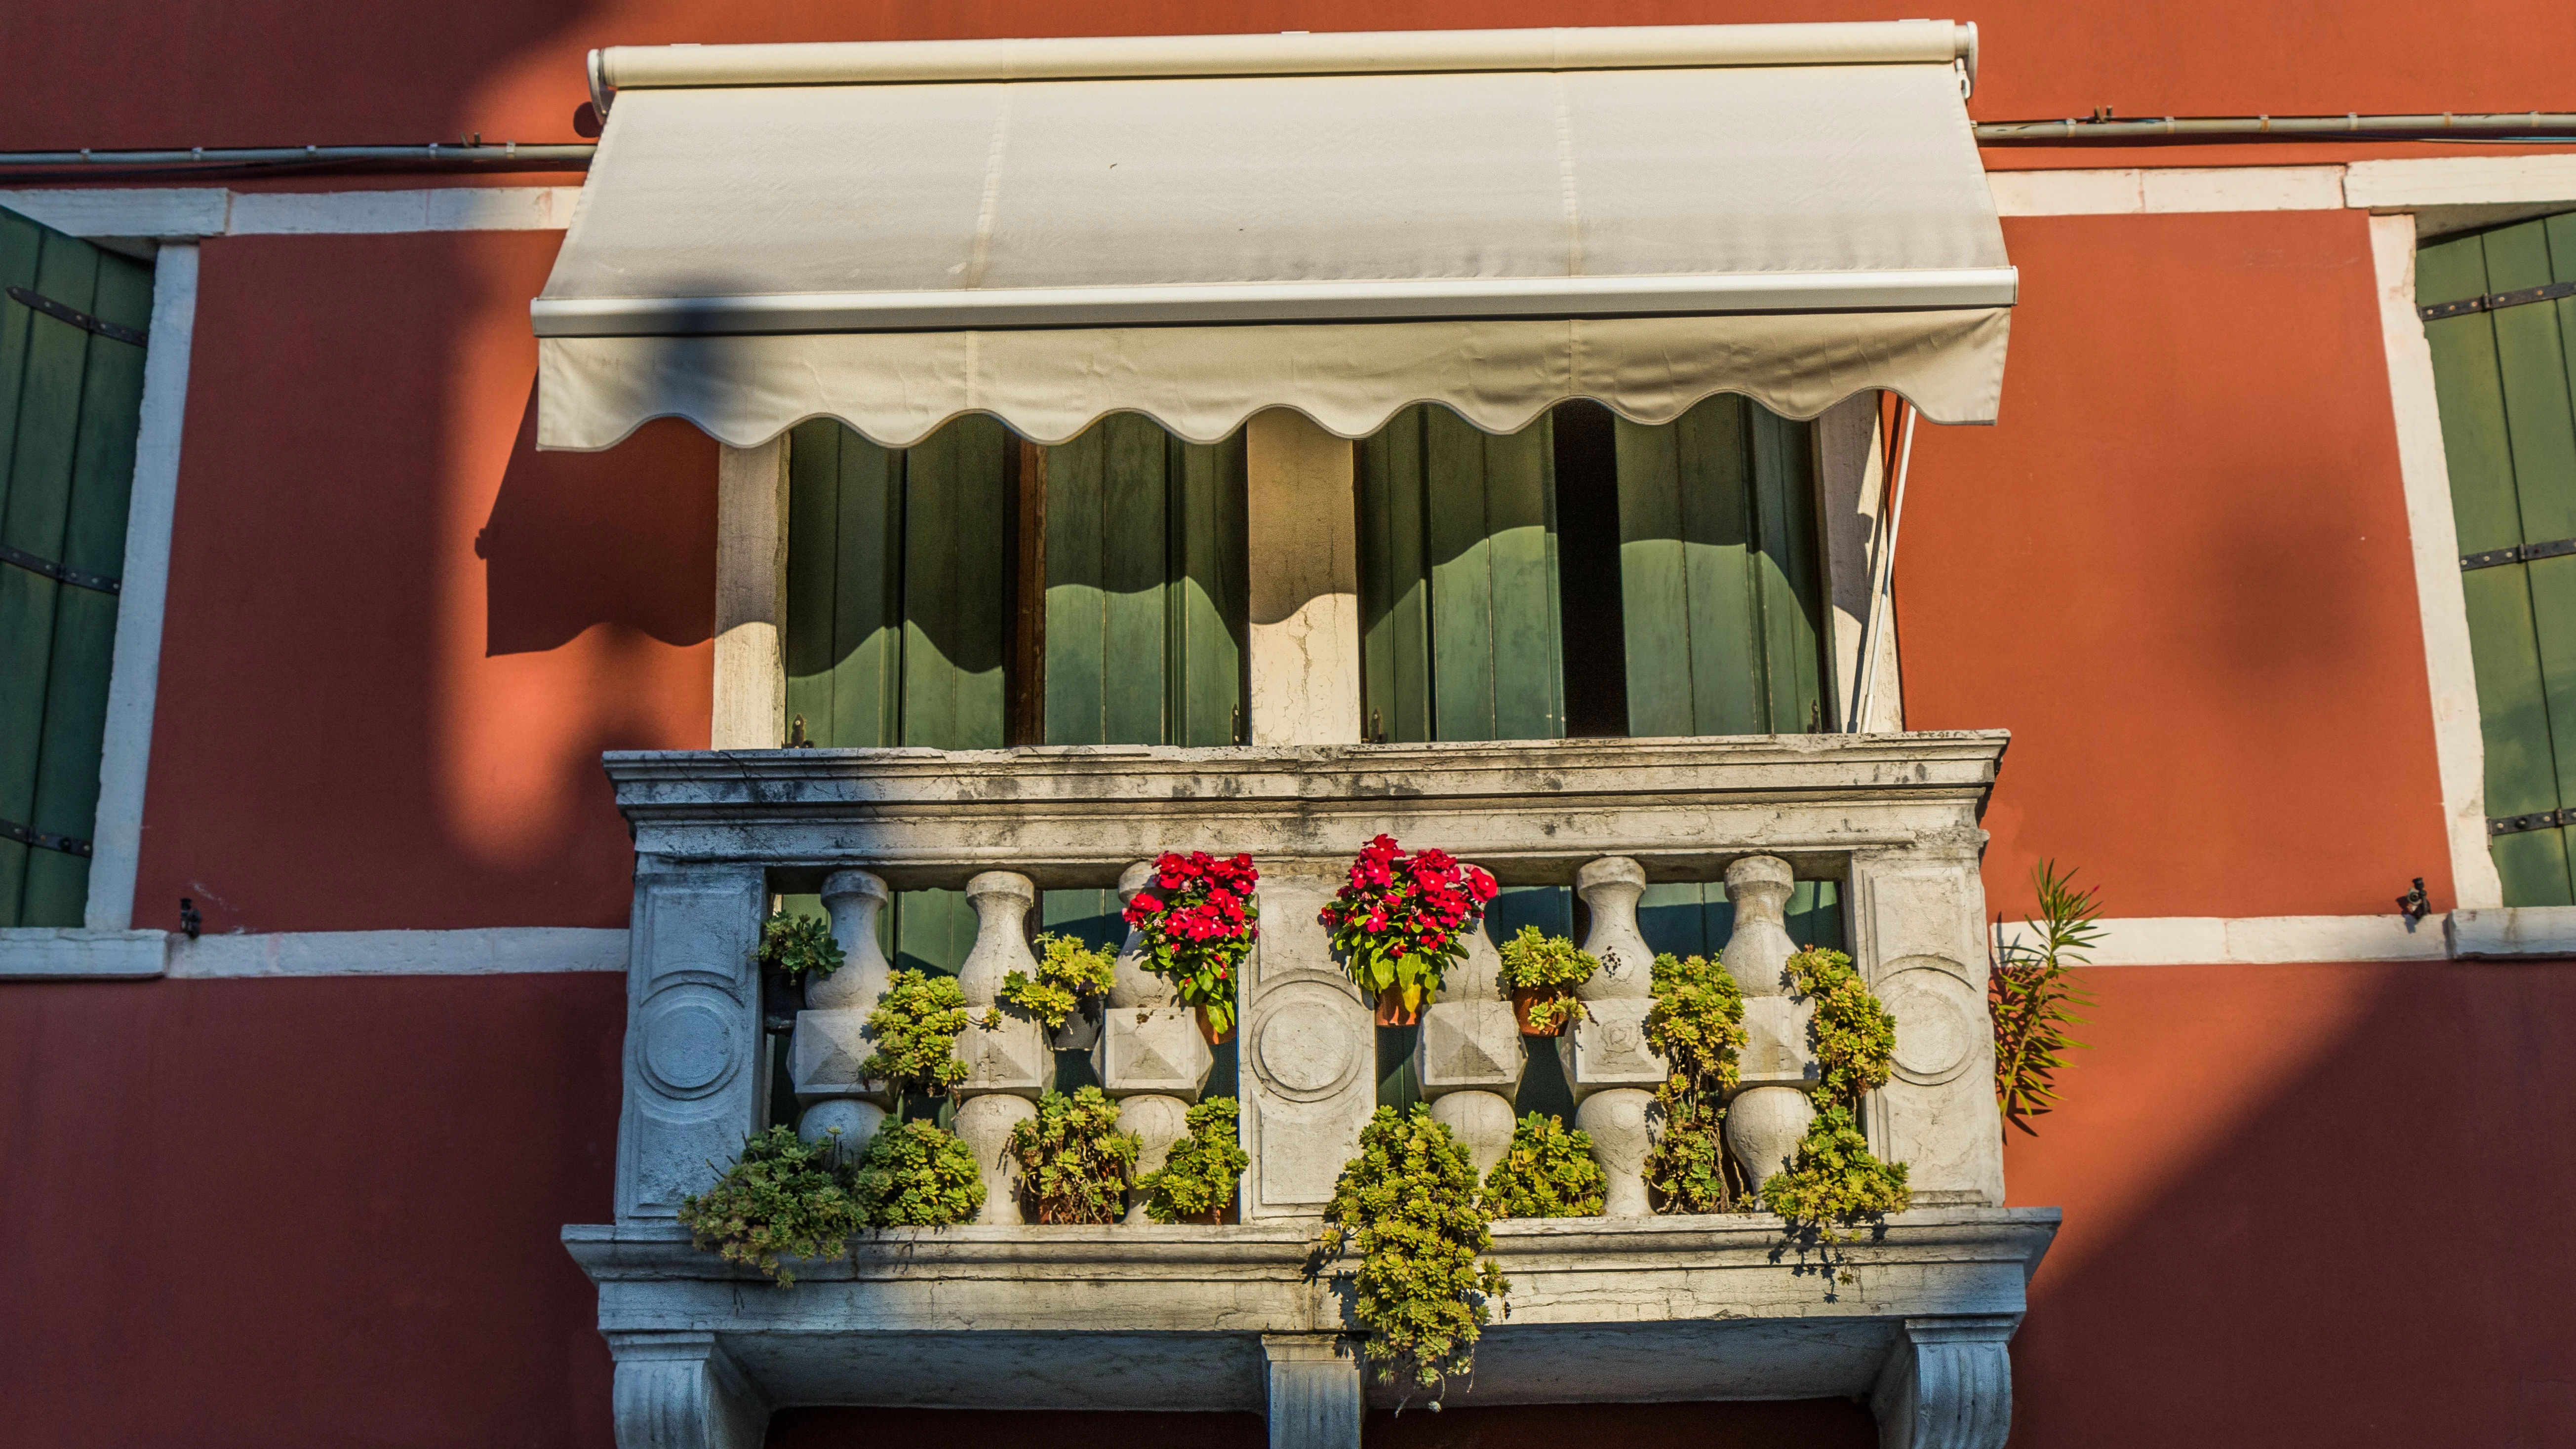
1606,1048
1468,1046
823,1056
692,1032
1005,1052
1309,1045
1921,946
1151,1049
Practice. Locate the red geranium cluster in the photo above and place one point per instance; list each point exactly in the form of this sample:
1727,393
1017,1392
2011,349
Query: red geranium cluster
1398,920
1198,918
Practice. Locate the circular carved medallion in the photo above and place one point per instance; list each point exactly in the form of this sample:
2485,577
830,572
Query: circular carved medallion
688,1047
1307,1046
1939,1025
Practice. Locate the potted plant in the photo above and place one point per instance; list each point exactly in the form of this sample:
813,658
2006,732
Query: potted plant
915,1175
1407,1206
1196,1183
1073,1159
1547,1172
1401,919
1539,974
1697,1027
1071,982
1197,920
793,951
783,1197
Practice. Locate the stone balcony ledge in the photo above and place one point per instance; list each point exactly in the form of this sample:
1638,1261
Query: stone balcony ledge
1601,1309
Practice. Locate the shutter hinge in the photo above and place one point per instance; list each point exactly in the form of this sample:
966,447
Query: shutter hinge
63,312
67,844
59,573
2496,301
2516,824
2522,553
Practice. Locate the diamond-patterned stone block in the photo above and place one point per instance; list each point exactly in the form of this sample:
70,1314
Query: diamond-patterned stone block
1609,1048
1152,1049
1004,1052
1469,1046
1776,1052
824,1054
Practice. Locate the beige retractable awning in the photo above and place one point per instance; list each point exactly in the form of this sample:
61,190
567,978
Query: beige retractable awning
1197,228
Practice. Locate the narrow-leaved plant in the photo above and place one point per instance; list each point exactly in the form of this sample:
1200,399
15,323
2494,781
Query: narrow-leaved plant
2032,994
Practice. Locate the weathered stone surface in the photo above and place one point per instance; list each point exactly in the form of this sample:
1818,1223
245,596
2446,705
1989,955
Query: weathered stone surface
824,1054
1947,1384
984,1124
850,1123
1763,1128
692,1031
1152,1049
1777,1050
1610,888
1308,1049
1917,919
1002,900
1606,1048
1482,1123
1662,1308
1617,1121
1004,1051
1468,1046
683,1391
1131,982
1759,948
854,898
1158,1122
1314,1399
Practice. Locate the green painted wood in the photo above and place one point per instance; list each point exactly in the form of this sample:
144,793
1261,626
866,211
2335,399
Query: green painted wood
1395,642
1208,611
2501,380
1076,591
956,570
844,586
1721,573
70,405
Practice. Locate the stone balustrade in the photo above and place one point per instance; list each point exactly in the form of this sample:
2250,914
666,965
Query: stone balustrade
1892,818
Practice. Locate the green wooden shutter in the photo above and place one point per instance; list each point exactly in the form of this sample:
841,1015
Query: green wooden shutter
1722,579
1458,581
1146,606
2509,430
71,399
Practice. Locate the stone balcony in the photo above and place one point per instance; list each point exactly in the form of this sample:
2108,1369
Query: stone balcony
1621,1307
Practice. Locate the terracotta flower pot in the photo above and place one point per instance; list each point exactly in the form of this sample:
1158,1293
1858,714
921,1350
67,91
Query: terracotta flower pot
1214,1037
1526,998
1391,1010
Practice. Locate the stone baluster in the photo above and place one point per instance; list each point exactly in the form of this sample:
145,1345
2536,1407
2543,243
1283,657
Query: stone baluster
1607,1065
1771,1107
1150,1055
831,1033
1008,1058
1468,1055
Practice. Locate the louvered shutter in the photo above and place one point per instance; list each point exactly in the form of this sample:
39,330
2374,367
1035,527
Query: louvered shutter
72,337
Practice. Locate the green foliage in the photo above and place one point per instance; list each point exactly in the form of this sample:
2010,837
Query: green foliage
1199,1175
801,946
782,1197
1835,1178
2032,993
1687,1167
1697,1026
1069,973
916,1025
1534,961
1855,1037
1073,1159
914,1175
1407,1206
1547,1172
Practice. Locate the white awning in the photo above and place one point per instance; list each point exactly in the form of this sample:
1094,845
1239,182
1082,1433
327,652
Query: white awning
1200,227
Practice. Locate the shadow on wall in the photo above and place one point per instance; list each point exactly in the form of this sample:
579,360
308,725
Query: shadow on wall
2307,1205
1806,1424
619,538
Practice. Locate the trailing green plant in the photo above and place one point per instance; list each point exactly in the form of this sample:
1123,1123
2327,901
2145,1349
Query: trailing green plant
1546,969
782,1197
1069,974
1834,1180
2032,992
915,1025
1854,1036
1199,1174
1697,1026
1407,1206
915,1175
799,946
1547,1172
1074,1162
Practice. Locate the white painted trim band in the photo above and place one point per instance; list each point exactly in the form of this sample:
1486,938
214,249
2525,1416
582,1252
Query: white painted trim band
2259,940
208,211
134,671
490,952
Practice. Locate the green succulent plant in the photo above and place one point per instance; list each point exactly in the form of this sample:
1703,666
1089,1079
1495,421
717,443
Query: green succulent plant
1697,1026
1199,1175
1069,973
915,1025
1547,1172
915,1175
1407,1206
782,1197
1536,962
800,946
1074,1162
